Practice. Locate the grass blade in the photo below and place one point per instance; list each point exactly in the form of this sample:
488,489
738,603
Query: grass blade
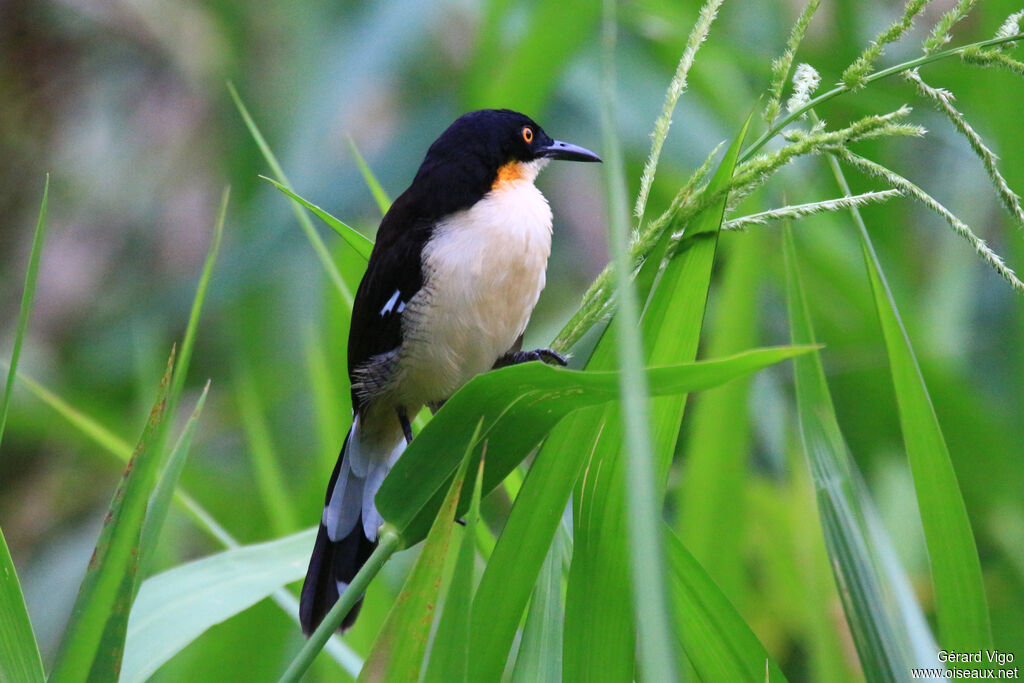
599,624
163,492
718,642
397,653
177,606
317,242
718,444
379,195
961,607
27,297
185,357
357,240
19,653
878,609
540,652
104,597
449,655
643,505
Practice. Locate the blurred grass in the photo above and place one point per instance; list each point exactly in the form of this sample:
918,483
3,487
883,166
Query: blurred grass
128,104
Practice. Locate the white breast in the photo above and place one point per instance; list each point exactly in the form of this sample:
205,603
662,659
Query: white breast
483,271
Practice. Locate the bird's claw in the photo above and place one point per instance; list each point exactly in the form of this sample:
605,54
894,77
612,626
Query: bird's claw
548,356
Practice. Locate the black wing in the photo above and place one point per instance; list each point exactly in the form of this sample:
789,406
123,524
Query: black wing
393,276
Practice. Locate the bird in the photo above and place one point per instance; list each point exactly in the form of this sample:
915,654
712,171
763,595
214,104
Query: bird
458,264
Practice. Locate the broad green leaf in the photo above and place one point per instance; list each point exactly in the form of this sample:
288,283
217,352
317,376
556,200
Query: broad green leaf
27,296
175,607
710,516
379,195
960,602
344,289
449,655
357,240
104,598
719,643
397,653
19,653
599,624
519,406
879,607
540,652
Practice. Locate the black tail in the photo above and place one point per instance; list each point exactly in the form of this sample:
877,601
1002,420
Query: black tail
333,564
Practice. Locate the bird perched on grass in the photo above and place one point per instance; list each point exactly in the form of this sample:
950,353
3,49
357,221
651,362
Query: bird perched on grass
452,280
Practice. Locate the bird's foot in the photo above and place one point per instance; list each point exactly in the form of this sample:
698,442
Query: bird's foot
548,356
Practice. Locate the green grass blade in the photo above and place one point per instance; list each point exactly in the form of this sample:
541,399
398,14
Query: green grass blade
397,653
643,504
961,606
19,653
357,240
177,606
520,405
188,342
344,290
882,634
599,623
27,297
105,594
269,481
163,492
379,195
718,642
449,655
90,428
717,447
388,544
540,651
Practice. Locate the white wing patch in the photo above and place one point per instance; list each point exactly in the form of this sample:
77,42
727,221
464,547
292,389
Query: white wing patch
392,302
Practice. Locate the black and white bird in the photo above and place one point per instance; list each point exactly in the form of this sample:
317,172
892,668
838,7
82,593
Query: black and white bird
454,275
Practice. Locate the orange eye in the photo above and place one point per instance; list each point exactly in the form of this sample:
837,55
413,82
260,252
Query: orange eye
527,134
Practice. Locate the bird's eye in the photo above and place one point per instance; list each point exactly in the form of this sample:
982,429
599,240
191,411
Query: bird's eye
527,134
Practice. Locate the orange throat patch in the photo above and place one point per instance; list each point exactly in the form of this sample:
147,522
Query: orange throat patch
508,173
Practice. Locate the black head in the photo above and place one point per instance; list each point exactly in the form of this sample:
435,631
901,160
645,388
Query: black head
465,162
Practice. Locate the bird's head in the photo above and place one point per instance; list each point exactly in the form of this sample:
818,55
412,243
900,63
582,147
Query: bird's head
490,146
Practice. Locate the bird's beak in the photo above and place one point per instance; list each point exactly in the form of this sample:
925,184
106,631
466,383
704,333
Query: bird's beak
568,152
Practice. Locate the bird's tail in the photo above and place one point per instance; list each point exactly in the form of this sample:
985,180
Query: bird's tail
349,524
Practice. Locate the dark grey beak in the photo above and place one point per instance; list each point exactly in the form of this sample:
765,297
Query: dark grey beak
567,152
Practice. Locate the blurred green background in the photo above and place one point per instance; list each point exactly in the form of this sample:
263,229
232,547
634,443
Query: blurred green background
125,104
